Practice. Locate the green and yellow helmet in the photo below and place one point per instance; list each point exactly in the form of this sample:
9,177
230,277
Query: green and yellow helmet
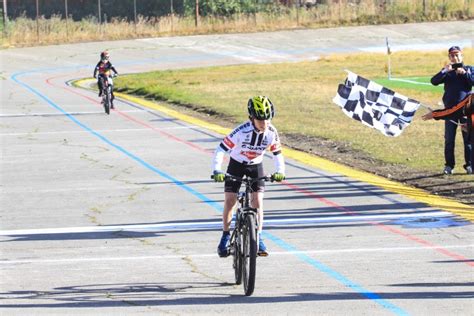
261,108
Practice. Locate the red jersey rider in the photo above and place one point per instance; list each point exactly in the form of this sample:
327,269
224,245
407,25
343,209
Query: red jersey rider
103,68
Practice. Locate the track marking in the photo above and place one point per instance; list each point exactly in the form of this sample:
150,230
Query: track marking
214,224
58,114
410,81
211,255
99,130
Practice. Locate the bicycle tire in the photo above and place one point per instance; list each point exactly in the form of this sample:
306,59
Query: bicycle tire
238,257
107,102
249,266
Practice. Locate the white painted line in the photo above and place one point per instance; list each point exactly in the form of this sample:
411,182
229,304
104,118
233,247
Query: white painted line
61,114
215,224
101,131
410,81
273,253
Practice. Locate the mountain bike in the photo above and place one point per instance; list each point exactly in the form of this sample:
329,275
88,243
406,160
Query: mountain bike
107,86
244,239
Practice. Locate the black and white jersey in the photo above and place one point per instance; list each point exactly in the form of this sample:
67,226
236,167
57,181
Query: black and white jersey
246,145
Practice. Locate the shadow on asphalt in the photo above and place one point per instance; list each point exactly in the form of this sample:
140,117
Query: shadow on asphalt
162,294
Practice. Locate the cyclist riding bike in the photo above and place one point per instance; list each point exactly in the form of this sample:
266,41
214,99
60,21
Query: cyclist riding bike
246,146
103,68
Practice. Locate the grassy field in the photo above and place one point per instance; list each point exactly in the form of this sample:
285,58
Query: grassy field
303,92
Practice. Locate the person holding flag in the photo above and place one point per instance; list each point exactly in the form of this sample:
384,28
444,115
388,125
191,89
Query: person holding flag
458,80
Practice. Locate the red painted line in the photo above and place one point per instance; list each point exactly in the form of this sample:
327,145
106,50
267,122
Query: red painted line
128,117
295,188
385,227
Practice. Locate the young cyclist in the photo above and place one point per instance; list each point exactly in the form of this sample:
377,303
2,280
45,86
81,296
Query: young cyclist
246,146
103,68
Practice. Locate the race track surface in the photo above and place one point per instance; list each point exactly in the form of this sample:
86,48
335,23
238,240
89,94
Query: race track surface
116,215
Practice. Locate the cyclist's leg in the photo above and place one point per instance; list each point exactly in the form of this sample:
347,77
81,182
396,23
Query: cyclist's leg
231,189
258,188
257,202
229,204
111,82
99,84
230,196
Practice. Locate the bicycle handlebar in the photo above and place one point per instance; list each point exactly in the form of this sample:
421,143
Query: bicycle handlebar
229,177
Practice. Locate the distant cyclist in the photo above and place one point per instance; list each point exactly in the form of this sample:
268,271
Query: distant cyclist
103,68
246,145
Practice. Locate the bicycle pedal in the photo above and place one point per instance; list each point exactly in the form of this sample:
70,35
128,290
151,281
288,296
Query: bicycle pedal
262,254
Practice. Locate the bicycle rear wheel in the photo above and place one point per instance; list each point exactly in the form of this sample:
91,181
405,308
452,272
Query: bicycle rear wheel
249,266
238,256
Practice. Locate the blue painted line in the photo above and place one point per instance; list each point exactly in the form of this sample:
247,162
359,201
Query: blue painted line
284,245
334,274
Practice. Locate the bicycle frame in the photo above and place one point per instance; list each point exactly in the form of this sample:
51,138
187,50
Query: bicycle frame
244,238
107,86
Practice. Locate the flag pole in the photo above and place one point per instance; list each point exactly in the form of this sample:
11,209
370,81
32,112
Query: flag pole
426,107
389,52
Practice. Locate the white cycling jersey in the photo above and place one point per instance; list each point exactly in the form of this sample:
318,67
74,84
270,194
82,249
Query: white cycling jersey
246,145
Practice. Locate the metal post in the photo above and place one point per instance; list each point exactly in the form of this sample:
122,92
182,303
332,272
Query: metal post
100,14
172,15
255,10
37,21
297,13
197,13
5,17
389,52
135,15
66,13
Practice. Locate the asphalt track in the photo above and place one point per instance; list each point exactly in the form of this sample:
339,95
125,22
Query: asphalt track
116,215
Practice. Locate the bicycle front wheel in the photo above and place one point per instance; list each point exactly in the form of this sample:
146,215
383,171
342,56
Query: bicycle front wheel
249,266
238,256
107,102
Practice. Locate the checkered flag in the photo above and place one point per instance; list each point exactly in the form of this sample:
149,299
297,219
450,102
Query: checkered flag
374,105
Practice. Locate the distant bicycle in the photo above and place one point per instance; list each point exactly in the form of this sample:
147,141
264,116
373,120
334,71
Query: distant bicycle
107,96
244,239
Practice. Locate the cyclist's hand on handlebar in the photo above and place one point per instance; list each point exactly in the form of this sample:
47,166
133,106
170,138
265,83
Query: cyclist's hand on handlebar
218,176
278,177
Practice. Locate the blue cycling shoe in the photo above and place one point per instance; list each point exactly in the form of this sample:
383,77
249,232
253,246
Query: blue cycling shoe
262,249
223,248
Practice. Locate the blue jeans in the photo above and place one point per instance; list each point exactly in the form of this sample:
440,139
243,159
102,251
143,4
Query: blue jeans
449,141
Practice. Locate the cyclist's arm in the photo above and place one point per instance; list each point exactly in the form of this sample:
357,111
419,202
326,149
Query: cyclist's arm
279,162
97,69
113,69
275,148
218,158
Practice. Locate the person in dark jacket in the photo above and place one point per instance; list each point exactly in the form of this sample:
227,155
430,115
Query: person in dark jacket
458,80
465,107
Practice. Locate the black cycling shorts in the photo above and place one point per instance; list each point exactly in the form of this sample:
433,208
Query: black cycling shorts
238,169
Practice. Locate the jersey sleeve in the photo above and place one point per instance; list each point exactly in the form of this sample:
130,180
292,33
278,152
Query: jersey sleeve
228,143
275,146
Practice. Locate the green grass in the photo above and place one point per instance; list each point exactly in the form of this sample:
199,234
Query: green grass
411,83
303,92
